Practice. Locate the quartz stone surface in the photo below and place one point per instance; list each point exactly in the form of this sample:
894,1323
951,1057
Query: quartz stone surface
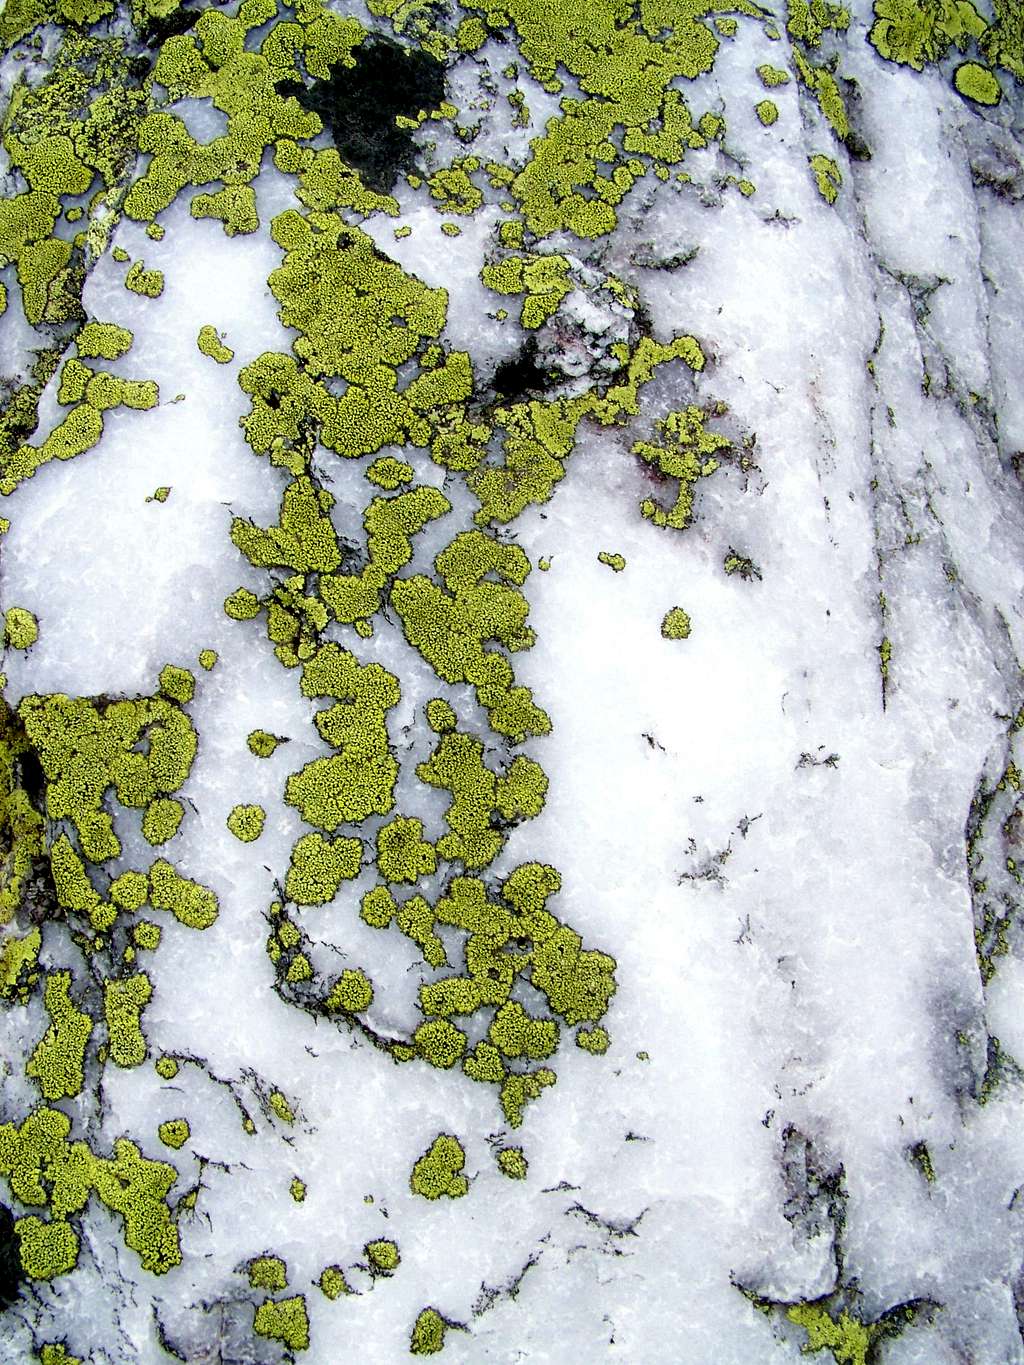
511,570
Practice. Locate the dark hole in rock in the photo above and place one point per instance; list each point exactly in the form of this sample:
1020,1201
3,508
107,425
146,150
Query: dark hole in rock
10,1260
33,781
520,374
358,106
155,30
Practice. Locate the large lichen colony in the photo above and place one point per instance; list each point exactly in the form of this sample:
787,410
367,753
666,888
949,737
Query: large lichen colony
350,112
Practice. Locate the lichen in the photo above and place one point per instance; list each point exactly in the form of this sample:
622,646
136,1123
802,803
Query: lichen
427,1337
439,1170
21,629
246,822
174,1133
512,1163
284,1320
268,1272
675,624
57,1063
382,1256
333,1282
211,343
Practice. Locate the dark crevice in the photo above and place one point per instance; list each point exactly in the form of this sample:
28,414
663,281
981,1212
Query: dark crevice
520,374
358,106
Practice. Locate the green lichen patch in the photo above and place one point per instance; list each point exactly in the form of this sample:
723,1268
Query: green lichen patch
297,1189
56,1353
246,822
280,1106
47,1248
614,561
675,624
427,1337
513,1163
284,1320
382,1256
166,1068
685,451
772,76
174,1133
190,903
767,111
319,866
103,341
827,176
593,1040
359,780
147,935
268,1272
263,744
402,853
57,1064
123,1003
207,659
160,494
333,1282
977,83
211,344
21,629
242,605
149,283
451,625
484,803
439,1170
387,472
87,749
44,1168
161,819
351,993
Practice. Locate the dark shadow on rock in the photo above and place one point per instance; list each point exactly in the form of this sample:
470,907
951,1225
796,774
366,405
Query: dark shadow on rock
358,106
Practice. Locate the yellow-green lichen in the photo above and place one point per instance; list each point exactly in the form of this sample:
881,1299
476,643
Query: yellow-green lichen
319,866
977,83
174,1133
161,819
402,853
268,1272
123,1003
594,1040
427,1337
284,1320
382,1256
675,624
21,629
142,281
614,561
439,1170
513,1163
827,176
333,1283
263,744
58,1060
211,343
351,993
280,1106
246,822
47,1248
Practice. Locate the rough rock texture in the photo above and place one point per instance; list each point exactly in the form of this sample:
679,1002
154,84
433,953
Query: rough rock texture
511,573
